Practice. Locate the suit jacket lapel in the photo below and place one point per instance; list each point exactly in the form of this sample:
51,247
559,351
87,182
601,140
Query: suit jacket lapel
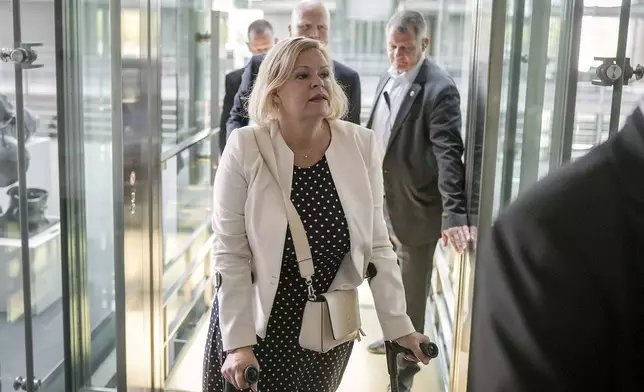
408,101
381,86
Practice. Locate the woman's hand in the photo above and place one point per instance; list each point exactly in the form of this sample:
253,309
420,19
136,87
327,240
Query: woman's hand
412,342
237,361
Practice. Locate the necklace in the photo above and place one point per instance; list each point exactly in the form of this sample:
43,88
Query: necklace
306,156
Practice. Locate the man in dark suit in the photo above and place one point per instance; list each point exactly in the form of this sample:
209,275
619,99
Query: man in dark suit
559,285
311,19
417,121
260,40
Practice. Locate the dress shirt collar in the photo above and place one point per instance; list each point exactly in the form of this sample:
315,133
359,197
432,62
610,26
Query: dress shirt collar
409,76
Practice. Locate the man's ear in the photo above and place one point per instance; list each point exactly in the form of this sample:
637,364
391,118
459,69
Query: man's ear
425,44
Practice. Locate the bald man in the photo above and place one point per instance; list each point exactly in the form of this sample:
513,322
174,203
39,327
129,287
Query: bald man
311,19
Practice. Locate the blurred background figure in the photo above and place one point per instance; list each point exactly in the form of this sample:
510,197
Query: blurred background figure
560,279
261,38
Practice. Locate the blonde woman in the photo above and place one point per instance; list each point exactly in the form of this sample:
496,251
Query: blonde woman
333,172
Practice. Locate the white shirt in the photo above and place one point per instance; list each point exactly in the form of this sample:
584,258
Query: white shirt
396,87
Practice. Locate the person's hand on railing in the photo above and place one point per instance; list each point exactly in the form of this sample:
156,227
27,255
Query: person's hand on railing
459,237
474,235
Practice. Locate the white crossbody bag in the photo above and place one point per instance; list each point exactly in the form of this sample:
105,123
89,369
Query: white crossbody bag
330,319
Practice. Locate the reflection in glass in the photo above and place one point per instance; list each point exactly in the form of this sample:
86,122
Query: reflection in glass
187,195
184,70
43,214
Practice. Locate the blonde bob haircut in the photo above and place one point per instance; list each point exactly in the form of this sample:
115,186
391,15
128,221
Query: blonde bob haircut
277,68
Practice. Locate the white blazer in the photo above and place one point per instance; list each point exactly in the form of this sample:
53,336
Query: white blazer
249,223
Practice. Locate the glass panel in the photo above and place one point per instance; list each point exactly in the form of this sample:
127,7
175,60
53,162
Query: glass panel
175,82
184,67
43,206
202,68
95,66
12,330
528,96
599,39
39,89
187,196
526,125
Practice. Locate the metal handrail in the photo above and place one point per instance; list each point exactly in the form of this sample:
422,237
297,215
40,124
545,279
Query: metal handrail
184,312
187,143
196,260
195,234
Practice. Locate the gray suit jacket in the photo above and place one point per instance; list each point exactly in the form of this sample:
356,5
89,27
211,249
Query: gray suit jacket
423,169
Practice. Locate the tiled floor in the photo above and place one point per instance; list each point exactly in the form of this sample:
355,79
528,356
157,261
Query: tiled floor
365,372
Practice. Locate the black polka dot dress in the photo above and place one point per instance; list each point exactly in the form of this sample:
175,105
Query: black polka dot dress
284,365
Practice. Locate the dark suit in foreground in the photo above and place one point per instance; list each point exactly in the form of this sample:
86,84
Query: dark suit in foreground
346,77
559,286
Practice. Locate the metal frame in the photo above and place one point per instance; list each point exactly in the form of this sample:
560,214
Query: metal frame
474,125
482,136
215,111
187,143
22,189
536,80
512,106
622,37
492,114
563,119
118,196
155,259
140,337
69,79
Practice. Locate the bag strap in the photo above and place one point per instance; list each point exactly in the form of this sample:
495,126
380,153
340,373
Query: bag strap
300,240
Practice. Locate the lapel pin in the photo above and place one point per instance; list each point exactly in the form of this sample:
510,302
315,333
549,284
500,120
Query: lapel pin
411,93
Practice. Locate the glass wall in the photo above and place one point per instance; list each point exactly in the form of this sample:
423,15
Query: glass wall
116,163
537,55
67,107
31,270
187,198
547,101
